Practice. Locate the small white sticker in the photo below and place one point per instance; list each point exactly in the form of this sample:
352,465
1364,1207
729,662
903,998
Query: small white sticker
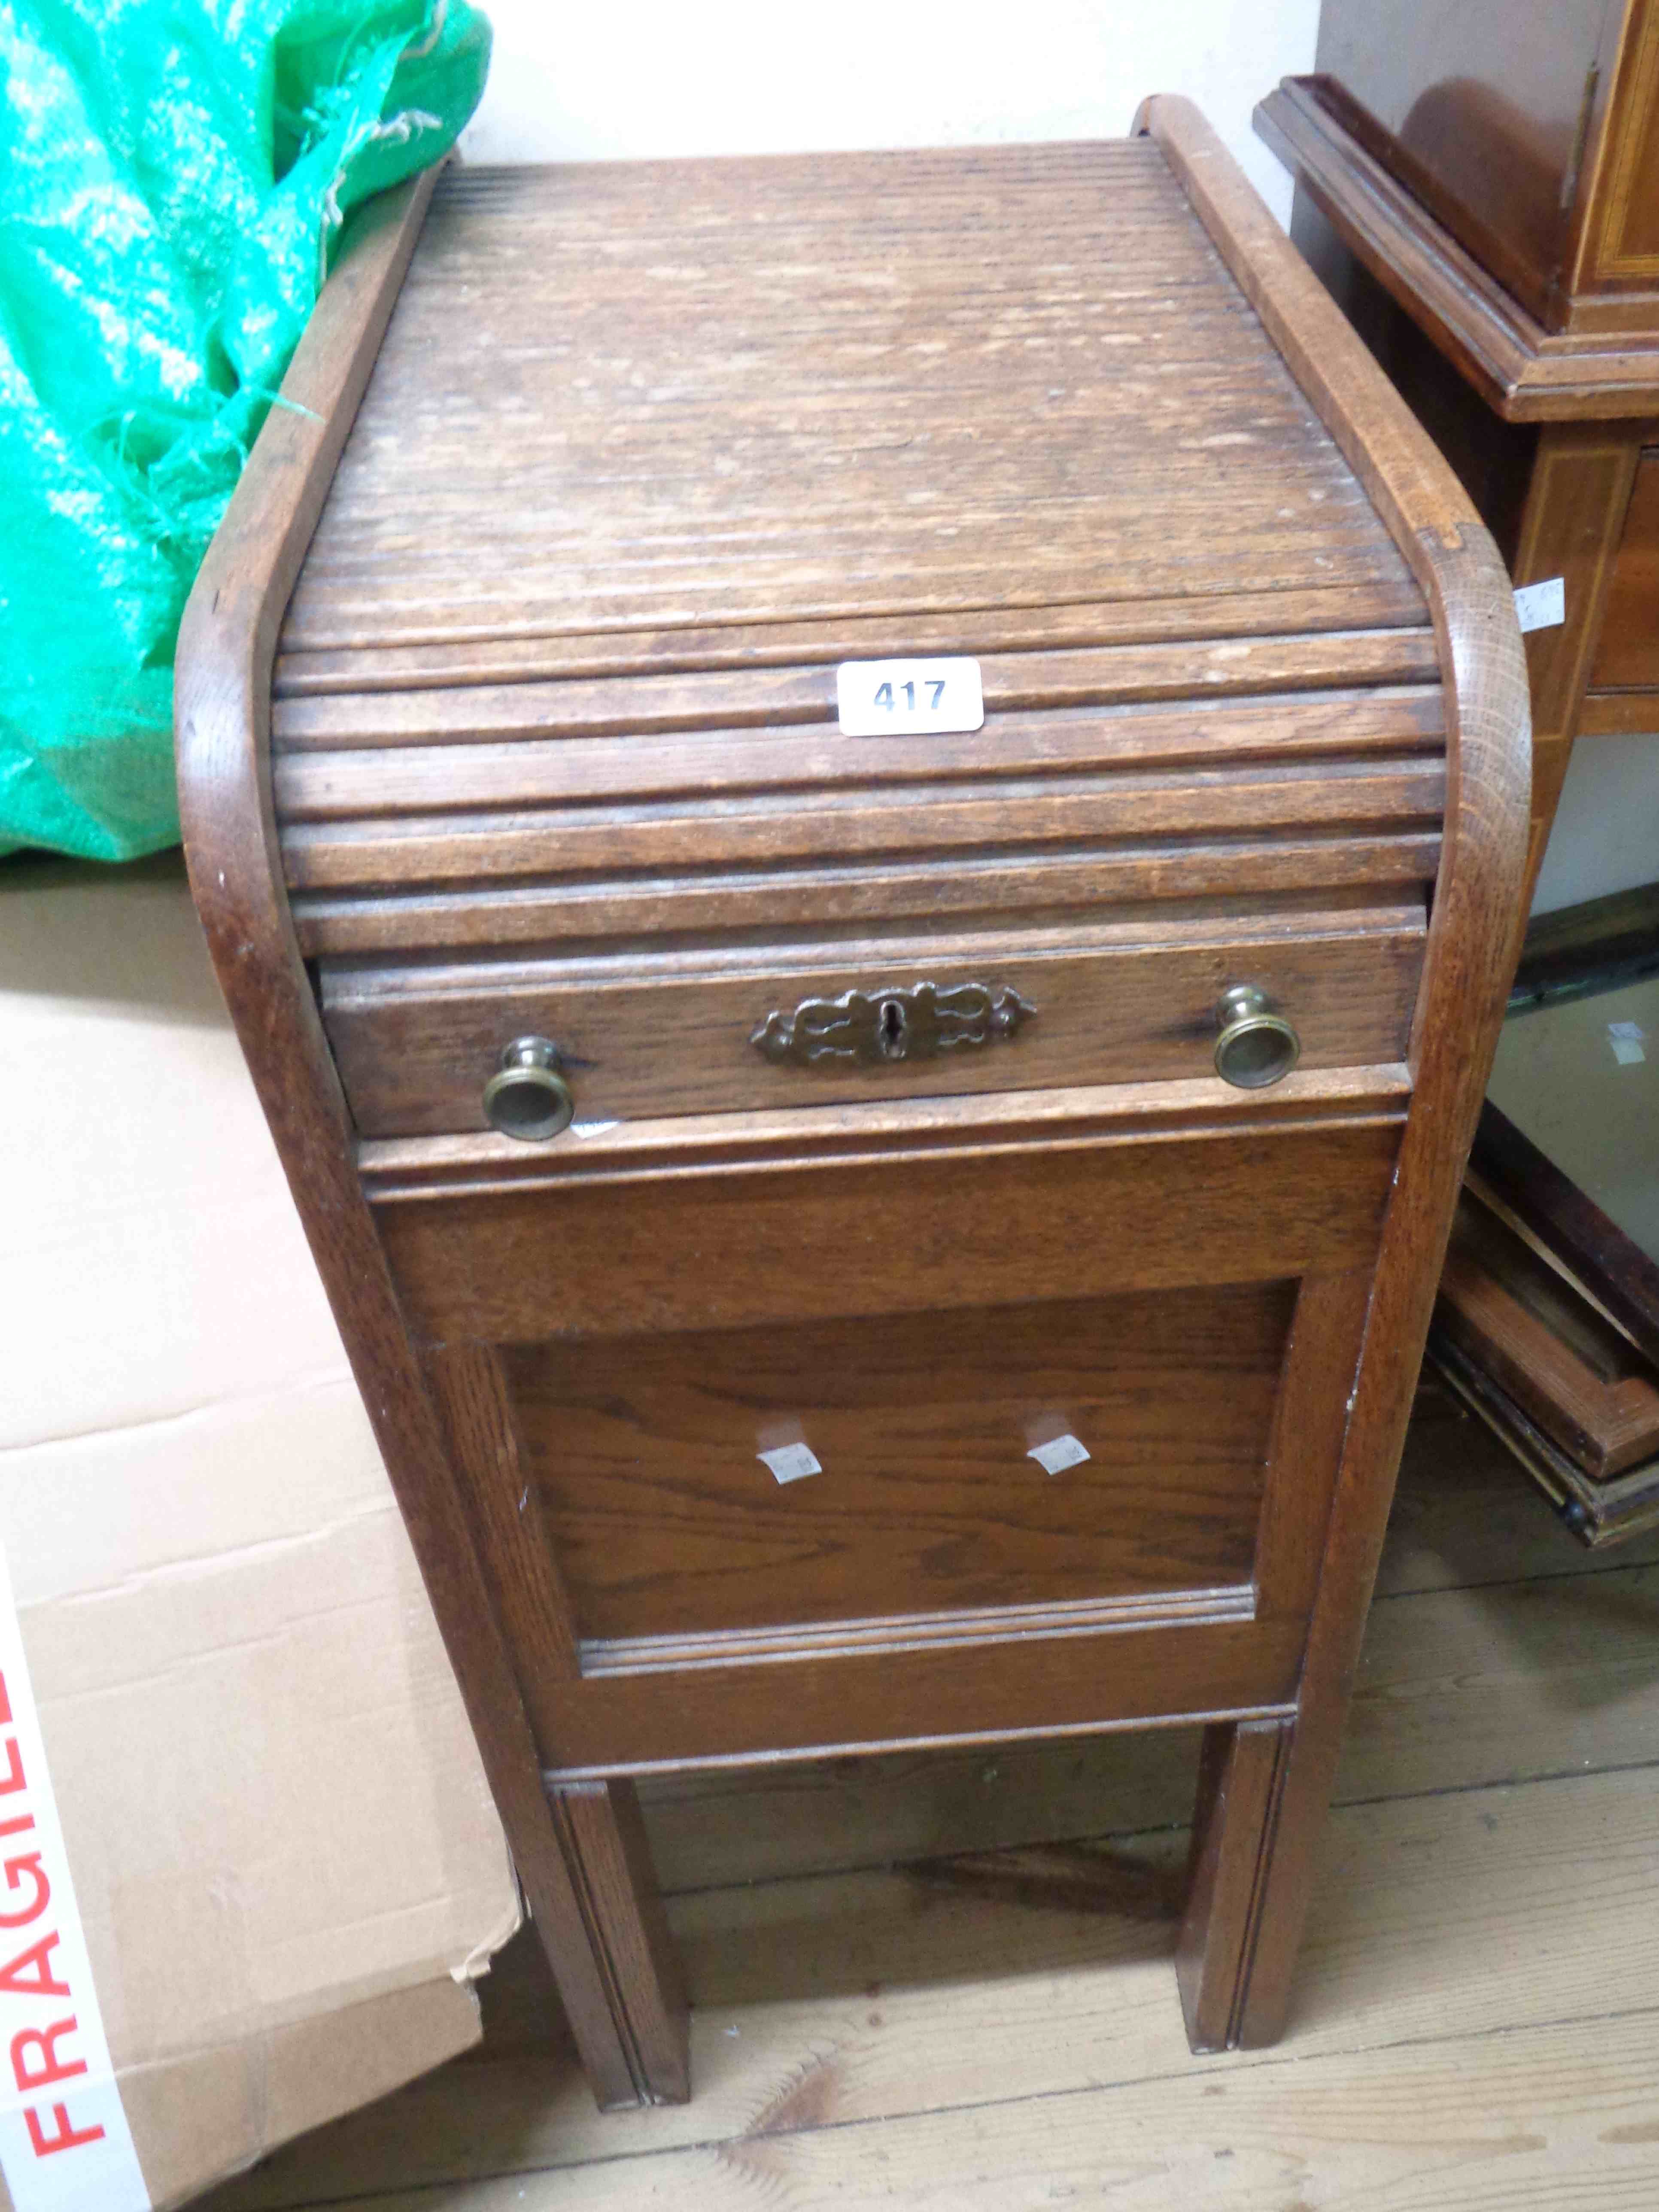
592,1128
790,1462
908,698
1542,606
1058,1454
1626,1039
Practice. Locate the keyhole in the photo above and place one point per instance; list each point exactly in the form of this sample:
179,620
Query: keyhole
889,1029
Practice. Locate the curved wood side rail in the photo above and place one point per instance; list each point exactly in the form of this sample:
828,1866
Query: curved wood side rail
223,730
1474,940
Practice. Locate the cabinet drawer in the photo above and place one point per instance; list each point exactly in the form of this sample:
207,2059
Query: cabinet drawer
667,1037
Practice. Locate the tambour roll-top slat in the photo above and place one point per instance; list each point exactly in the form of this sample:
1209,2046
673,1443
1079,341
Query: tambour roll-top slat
554,720
545,815
635,398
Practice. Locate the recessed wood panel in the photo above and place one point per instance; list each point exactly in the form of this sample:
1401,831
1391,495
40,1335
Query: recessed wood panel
666,1521
1628,656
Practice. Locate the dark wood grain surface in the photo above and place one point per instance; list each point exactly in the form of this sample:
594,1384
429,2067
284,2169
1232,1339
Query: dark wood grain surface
1478,185
865,1133
828,896
1578,494
1241,1782
1617,264
729,701
1234,724
1545,425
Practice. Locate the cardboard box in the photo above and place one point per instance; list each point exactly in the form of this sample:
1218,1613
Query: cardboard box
283,1857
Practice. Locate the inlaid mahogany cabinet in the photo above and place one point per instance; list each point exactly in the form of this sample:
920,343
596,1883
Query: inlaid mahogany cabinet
862,815
1480,188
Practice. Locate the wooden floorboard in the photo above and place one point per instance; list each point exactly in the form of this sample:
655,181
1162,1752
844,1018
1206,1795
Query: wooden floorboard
1477,2017
1523,2121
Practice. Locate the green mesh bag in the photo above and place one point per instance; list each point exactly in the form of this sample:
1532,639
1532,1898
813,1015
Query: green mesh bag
174,177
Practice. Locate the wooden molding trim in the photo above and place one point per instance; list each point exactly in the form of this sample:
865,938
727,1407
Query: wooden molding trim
1525,372
752,1762
222,728
846,1640
397,1169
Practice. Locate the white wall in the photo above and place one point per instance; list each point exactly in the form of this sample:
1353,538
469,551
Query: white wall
1606,834
606,79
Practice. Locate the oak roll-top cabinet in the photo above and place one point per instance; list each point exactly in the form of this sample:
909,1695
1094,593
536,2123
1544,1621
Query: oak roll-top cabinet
862,816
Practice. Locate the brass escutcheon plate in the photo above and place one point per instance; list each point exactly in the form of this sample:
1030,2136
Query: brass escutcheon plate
901,1022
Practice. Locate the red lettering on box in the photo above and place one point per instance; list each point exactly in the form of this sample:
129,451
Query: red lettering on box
42,1982
29,1863
12,1780
67,2136
45,2040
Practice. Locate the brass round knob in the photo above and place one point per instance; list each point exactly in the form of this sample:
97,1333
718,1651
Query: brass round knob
1256,1047
527,1097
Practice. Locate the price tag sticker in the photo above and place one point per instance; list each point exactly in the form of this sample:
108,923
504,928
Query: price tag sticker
1058,1454
908,698
792,1462
1542,606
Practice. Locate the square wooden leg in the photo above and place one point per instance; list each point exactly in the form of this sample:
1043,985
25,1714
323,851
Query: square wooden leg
603,1837
1241,1784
